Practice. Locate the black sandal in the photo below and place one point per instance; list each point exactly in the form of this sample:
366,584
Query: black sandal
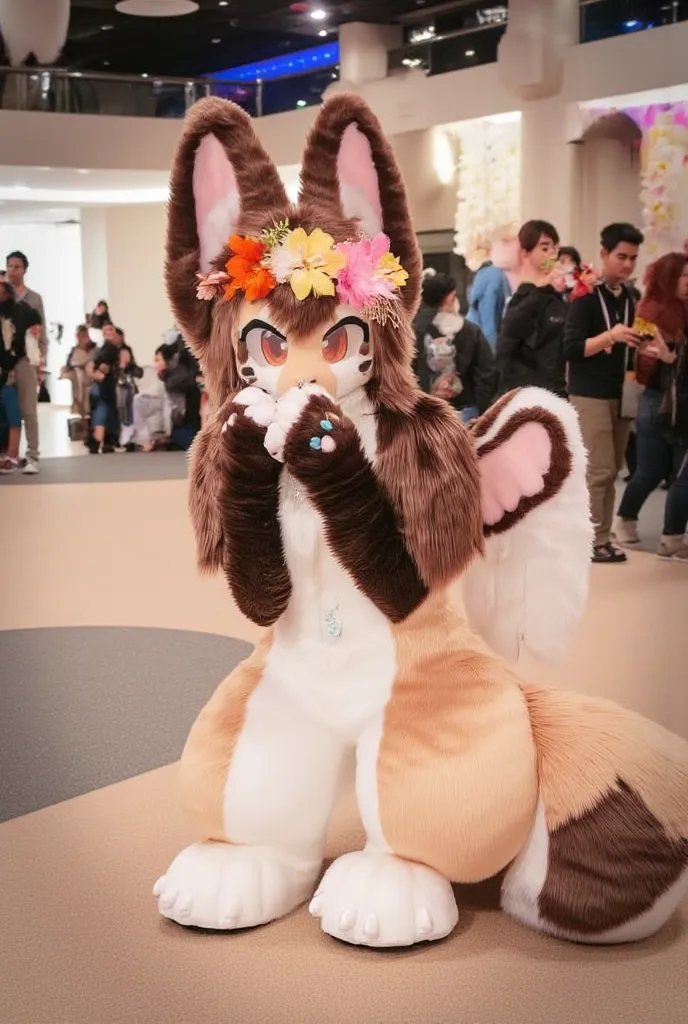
608,553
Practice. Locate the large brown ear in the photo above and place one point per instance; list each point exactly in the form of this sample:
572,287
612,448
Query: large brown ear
350,171
222,181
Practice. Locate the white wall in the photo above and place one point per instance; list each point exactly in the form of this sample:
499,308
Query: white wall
54,254
608,191
136,285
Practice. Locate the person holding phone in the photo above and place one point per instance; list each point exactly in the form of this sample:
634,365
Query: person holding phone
599,344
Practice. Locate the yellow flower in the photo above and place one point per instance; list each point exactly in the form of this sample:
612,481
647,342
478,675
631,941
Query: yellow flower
317,263
390,269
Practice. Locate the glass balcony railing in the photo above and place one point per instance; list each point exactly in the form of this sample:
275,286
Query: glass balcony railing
604,19
56,90
445,48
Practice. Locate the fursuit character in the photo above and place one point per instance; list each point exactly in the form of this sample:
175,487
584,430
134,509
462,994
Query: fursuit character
342,505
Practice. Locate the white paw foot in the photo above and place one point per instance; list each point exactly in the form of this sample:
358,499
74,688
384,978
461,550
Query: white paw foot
375,899
289,409
218,886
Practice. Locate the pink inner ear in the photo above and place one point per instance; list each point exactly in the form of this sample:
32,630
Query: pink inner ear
216,195
514,470
359,187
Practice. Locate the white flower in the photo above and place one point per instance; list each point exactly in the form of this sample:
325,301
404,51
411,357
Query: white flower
282,262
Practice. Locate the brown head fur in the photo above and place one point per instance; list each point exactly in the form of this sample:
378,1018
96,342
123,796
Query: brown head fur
210,327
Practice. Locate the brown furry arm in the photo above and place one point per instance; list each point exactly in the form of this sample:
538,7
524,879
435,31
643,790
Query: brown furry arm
360,521
235,511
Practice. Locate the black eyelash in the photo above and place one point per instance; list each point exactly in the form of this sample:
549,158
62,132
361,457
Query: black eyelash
251,326
350,320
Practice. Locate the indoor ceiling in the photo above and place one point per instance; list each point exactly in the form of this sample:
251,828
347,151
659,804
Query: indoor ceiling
221,34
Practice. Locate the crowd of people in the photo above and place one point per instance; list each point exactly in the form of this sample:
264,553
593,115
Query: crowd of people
112,410
539,317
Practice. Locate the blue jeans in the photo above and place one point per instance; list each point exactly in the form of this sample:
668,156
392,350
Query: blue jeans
657,457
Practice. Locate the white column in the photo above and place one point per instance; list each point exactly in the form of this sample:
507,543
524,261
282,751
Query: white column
549,167
94,255
363,51
531,61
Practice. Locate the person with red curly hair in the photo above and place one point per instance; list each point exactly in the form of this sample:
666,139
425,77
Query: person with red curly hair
663,409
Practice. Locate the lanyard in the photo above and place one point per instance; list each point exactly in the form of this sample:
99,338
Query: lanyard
605,311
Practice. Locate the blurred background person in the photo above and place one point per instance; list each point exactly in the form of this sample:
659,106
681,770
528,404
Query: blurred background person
662,423
453,357
494,284
530,349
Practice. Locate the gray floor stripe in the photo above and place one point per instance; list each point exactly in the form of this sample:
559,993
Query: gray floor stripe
120,467
82,708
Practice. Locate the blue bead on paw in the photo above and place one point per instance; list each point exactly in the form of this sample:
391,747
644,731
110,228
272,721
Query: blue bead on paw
316,444
325,425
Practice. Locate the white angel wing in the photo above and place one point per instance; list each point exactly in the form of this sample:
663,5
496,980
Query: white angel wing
530,590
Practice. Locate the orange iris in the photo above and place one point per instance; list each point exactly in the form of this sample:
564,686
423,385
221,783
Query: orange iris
273,348
335,346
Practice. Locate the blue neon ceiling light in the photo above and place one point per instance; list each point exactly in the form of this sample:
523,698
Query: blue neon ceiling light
317,58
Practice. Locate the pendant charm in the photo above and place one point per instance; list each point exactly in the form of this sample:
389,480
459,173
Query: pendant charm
332,623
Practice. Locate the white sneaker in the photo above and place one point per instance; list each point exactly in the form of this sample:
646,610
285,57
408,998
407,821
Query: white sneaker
31,468
625,532
673,549
8,466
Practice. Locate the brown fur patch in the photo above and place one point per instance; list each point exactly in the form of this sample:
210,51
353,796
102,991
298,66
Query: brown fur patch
248,503
208,752
560,463
205,480
610,865
488,419
456,770
428,465
360,522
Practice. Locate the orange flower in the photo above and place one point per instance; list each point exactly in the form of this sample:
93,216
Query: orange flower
246,271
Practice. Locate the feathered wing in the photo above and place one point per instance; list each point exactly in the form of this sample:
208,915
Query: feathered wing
530,590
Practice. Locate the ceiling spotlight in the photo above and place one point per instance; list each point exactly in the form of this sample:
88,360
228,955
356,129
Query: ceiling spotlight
106,28
322,33
470,53
300,103
144,74
216,40
223,3
318,14
106,63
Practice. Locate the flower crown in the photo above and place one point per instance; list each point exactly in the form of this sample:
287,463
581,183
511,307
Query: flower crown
362,273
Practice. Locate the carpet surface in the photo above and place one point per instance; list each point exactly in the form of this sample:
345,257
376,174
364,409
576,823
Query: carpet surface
81,708
119,467
82,943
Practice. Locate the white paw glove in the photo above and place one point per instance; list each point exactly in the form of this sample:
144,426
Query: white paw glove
288,411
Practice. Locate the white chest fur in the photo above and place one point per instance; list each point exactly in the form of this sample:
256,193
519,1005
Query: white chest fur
333,649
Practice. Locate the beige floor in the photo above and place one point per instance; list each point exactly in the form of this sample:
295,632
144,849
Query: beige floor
80,939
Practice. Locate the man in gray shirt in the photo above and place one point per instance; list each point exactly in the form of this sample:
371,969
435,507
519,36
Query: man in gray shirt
26,370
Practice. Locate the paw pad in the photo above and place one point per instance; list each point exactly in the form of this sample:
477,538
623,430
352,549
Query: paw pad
326,443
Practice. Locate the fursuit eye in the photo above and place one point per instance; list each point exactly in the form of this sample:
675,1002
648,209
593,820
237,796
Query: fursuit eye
343,340
274,348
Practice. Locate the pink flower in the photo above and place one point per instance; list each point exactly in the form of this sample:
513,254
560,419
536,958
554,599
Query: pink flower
359,283
211,285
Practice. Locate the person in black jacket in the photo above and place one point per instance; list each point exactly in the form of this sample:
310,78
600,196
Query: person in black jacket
453,357
599,343
530,345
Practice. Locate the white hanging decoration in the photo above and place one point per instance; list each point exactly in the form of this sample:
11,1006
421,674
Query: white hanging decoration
489,194
37,27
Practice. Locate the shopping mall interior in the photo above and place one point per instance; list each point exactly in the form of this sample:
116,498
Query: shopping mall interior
572,113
